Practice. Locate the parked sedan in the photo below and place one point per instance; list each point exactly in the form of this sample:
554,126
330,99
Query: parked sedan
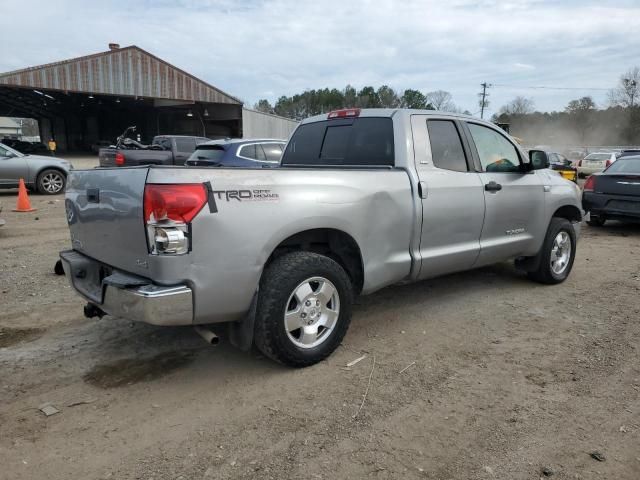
238,153
48,175
614,194
595,162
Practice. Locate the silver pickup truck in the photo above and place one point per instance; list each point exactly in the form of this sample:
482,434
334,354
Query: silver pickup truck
363,199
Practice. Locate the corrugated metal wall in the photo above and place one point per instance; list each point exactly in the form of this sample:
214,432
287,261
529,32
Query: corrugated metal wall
262,125
127,71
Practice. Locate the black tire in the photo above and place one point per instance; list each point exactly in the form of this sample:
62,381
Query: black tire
51,182
279,280
596,221
544,273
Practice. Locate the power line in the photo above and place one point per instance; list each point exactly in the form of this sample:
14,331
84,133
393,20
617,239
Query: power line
542,87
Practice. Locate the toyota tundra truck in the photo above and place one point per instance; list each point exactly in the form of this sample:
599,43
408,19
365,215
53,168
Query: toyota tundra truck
363,199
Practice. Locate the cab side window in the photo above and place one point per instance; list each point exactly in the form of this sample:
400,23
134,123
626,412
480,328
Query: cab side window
446,147
496,153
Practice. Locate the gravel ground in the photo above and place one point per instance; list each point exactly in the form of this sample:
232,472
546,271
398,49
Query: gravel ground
479,375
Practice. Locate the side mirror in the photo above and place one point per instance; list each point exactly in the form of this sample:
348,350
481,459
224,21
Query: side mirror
538,160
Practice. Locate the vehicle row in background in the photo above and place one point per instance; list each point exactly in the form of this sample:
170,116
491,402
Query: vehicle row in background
595,162
191,151
615,193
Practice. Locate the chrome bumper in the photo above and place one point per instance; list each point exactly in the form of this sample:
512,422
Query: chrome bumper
127,296
150,304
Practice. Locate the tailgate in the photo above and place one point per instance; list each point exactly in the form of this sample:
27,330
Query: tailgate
107,157
105,214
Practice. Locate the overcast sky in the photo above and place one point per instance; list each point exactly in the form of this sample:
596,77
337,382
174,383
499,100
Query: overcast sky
267,48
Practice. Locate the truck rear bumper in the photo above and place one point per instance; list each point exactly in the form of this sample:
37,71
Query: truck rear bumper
127,296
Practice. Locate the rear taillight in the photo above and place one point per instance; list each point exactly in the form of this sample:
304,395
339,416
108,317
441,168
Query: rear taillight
579,163
607,163
168,211
119,159
590,184
344,113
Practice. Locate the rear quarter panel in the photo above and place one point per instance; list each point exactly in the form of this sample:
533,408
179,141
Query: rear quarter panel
258,209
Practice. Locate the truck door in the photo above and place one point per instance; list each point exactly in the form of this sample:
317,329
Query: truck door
184,147
451,193
514,198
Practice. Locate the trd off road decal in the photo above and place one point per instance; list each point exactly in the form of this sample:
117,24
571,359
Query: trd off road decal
246,195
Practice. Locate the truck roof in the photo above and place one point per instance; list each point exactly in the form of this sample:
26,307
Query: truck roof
390,112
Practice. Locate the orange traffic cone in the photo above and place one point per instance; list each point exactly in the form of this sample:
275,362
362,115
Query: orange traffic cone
23,204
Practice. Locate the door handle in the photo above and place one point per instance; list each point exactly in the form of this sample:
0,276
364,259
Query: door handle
492,187
422,189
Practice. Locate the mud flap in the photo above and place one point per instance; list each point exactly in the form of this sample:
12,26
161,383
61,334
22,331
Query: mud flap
241,333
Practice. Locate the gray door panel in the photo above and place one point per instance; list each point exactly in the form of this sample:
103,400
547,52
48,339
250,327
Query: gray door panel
452,210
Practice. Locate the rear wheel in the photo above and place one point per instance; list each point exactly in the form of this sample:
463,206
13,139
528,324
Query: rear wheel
51,182
304,308
557,253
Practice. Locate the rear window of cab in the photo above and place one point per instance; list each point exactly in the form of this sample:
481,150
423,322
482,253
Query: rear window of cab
358,142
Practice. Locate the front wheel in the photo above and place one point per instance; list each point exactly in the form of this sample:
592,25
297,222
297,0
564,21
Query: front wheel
51,182
304,308
557,254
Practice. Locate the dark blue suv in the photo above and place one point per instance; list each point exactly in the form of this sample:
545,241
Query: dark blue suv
246,153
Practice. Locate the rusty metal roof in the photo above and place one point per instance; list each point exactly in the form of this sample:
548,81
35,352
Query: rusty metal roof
128,71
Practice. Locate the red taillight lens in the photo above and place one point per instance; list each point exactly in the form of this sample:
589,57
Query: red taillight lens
180,203
590,184
344,113
607,163
119,159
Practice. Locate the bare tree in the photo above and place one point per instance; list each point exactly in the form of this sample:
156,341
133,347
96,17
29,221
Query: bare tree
518,106
626,93
441,100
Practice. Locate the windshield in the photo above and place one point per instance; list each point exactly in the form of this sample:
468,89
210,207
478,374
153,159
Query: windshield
9,149
625,165
211,153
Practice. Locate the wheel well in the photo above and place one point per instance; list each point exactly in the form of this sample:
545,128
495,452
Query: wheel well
569,212
335,244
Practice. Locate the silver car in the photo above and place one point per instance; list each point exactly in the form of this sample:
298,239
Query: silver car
595,162
47,175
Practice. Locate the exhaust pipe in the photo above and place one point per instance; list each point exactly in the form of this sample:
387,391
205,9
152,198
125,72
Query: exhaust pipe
209,337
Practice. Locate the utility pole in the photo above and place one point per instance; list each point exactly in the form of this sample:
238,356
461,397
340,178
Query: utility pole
483,97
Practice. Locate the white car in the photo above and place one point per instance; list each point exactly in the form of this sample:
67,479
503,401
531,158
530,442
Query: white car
595,163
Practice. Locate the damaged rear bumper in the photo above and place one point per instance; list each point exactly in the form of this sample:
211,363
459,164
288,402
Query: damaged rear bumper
119,294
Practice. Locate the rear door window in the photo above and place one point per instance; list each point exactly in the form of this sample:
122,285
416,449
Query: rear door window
273,151
446,147
366,141
248,151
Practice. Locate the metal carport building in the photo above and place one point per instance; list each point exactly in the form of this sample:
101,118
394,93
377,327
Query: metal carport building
83,100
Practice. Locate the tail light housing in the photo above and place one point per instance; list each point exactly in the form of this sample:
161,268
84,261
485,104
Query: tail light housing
607,163
579,163
119,159
590,184
169,210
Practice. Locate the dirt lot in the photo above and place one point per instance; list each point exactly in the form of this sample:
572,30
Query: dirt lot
501,378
